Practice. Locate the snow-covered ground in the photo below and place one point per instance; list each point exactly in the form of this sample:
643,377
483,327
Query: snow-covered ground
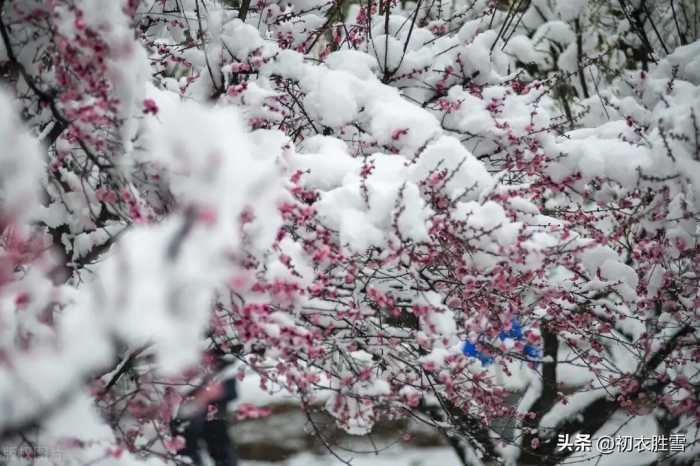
399,456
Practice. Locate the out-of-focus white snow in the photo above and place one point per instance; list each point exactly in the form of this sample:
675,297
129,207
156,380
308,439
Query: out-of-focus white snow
399,455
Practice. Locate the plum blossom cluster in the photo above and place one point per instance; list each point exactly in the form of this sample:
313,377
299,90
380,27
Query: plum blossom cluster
461,213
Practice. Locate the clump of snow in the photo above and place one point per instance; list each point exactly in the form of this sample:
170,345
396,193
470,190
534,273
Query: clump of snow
20,164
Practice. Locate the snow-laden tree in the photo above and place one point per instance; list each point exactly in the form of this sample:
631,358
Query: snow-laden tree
459,212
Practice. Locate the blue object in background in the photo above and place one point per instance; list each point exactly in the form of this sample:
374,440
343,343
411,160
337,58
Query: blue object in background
485,360
515,333
469,349
531,351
